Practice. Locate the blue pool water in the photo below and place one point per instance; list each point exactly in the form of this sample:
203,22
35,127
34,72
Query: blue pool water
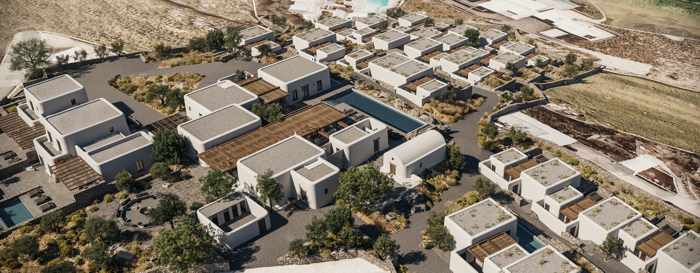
13,212
527,239
378,3
379,111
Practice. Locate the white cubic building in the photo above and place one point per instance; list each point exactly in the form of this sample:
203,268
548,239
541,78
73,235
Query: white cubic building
363,35
451,41
299,77
218,127
412,20
493,36
50,96
425,32
215,96
357,57
109,156
234,219
547,178
390,39
605,219
502,60
299,168
372,21
405,162
422,90
420,47
461,58
461,29
332,23
496,166
480,222
559,210
396,69
255,34
361,141
517,48
681,255
543,260
312,38
479,74
325,52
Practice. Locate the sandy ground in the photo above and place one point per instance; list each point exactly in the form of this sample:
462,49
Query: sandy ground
140,23
640,14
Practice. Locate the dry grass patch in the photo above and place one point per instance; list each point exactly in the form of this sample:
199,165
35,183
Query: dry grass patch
659,112
647,15
447,111
139,85
189,58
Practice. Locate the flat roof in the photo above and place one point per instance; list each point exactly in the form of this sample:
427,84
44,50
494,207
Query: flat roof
465,55
461,29
350,134
390,60
451,39
507,57
426,32
360,54
365,31
253,31
481,217
54,87
219,122
517,47
333,22
423,44
544,260
685,250
317,170
611,213
413,17
410,67
551,172
433,85
292,68
221,94
282,155
217,206
508,255
119,147
482,71
306,121
370,20
391,35
492,34
510,155
639,228
331,47
565,194
83,116
315,34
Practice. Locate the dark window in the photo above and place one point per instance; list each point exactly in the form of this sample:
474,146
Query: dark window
546,206
319,85
325,191
305,90
295,95
139,165
376,145
59,145
227,216
72,102
49,135
111,129
31,105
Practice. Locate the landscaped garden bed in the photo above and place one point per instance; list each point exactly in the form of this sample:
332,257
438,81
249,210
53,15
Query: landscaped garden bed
162,92
188,58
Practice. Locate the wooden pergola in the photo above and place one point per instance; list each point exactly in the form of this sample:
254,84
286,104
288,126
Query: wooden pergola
76,174
19,131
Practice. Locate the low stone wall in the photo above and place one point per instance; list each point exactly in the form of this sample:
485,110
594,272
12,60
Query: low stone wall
575,79
512,108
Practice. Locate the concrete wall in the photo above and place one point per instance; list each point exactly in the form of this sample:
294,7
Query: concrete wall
128,162
392,78
549,220
667,264
386,45
459,265
243,233
57,104
425,162
359,152
296,85
323,57
463,239
534,191
318,194
195,110
491,175
252,40
300,43
590,231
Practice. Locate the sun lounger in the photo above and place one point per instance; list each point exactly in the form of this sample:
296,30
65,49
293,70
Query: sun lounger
48,206
35,192
41,199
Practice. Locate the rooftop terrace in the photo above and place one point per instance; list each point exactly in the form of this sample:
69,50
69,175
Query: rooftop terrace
390,60
574,209
333,22
221,94
517,47
481,217
551,172
410,67
544,260
508,57
639,228
423,44
370,20
611,213
391,35
253,31
119,147
360,54
460,29
492,34
508,255
426,33
509,156
219,122
317,170
451,39
83,116
486,248
465,55
54,87
293,68
565,194
685,251
282,155
350,134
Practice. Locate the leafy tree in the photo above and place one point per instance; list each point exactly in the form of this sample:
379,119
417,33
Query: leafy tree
216,184
32,55
76,55
385,248
490,130
59,267
62,59
117,47
569,70
101,51
215,40
527,93
232,39
265,50
268,189
52,222
175,99
474,40
613,247
570,58
101,230
363,188
429,22
455,161
9,258
125,182
99,256
458,21
506,28
158,91
268,112
506,96
168,147
198,44
297,249
160,170
161,51
195,206
518,137
169,207
395,12
83,55
438,234
183,247
587,64
334,231
26,246
484,187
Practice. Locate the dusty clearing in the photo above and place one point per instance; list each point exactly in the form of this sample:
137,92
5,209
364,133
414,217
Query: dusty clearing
141,24
665,114
644,15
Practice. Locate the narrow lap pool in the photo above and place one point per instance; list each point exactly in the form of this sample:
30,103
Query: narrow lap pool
378,111
13,212
527,239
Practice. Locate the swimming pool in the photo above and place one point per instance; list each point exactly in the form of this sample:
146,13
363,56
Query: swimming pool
527,239
378,3
13,212
379,111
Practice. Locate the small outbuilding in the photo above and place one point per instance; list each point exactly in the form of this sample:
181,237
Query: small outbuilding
411,158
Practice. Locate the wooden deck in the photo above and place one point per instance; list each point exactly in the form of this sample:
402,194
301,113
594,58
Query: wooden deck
76,174
494,244
167,123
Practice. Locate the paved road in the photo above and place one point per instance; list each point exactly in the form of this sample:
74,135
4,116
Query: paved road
95,79
434,260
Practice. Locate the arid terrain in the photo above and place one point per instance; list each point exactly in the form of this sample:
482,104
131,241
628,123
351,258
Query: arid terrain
645,15
141,24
